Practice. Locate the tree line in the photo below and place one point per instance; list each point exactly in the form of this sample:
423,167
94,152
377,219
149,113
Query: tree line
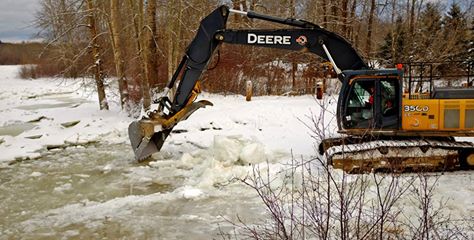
140,43
19,53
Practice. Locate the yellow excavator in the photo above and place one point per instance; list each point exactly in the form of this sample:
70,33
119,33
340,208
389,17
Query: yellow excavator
382,123
388,126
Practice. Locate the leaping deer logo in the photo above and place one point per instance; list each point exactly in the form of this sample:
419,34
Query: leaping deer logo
302,40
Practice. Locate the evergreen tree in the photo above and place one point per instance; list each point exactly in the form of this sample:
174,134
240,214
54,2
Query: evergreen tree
456,34
427,40
394,47
456,41
400,44
385,51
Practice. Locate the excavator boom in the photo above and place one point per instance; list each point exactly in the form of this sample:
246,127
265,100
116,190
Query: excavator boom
148,134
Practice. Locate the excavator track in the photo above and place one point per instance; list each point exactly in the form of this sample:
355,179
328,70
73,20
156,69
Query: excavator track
400,155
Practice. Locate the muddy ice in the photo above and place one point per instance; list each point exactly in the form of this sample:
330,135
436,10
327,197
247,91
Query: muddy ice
97,192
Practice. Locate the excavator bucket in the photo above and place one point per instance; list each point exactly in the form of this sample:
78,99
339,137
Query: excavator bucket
144,140
148,135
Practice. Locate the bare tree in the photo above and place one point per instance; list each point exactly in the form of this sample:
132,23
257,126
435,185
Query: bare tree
412,18
151,44
137,23
344,16
370,28
115,26
97,61
151,40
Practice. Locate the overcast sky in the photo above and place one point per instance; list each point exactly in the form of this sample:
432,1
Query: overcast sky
16,18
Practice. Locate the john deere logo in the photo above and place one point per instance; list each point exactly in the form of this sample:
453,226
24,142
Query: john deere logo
302,40
253,38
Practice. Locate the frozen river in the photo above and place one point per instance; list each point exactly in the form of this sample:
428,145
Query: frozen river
188,191
95,192
54,189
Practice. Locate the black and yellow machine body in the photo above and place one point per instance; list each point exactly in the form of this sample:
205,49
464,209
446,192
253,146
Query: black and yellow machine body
377,100
376,113
453,116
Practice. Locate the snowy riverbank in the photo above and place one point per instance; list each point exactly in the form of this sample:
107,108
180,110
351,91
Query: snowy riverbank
37,114
41,113
188,191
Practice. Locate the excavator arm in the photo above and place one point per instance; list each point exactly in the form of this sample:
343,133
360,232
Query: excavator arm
148,134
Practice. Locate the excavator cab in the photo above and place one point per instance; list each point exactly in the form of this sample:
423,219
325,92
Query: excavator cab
370,99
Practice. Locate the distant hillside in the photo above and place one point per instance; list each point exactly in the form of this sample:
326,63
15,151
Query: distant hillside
19,53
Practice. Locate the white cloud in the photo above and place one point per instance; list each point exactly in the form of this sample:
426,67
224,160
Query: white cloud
16,17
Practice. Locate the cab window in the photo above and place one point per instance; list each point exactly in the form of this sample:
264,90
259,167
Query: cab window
360,106
389,105
388,90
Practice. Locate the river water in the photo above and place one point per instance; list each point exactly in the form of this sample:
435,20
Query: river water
190,190
96,192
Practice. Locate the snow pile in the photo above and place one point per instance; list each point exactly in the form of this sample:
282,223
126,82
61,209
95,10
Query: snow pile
230,150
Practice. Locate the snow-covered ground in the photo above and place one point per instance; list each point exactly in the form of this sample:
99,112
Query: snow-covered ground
192,180
33,113
50,190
